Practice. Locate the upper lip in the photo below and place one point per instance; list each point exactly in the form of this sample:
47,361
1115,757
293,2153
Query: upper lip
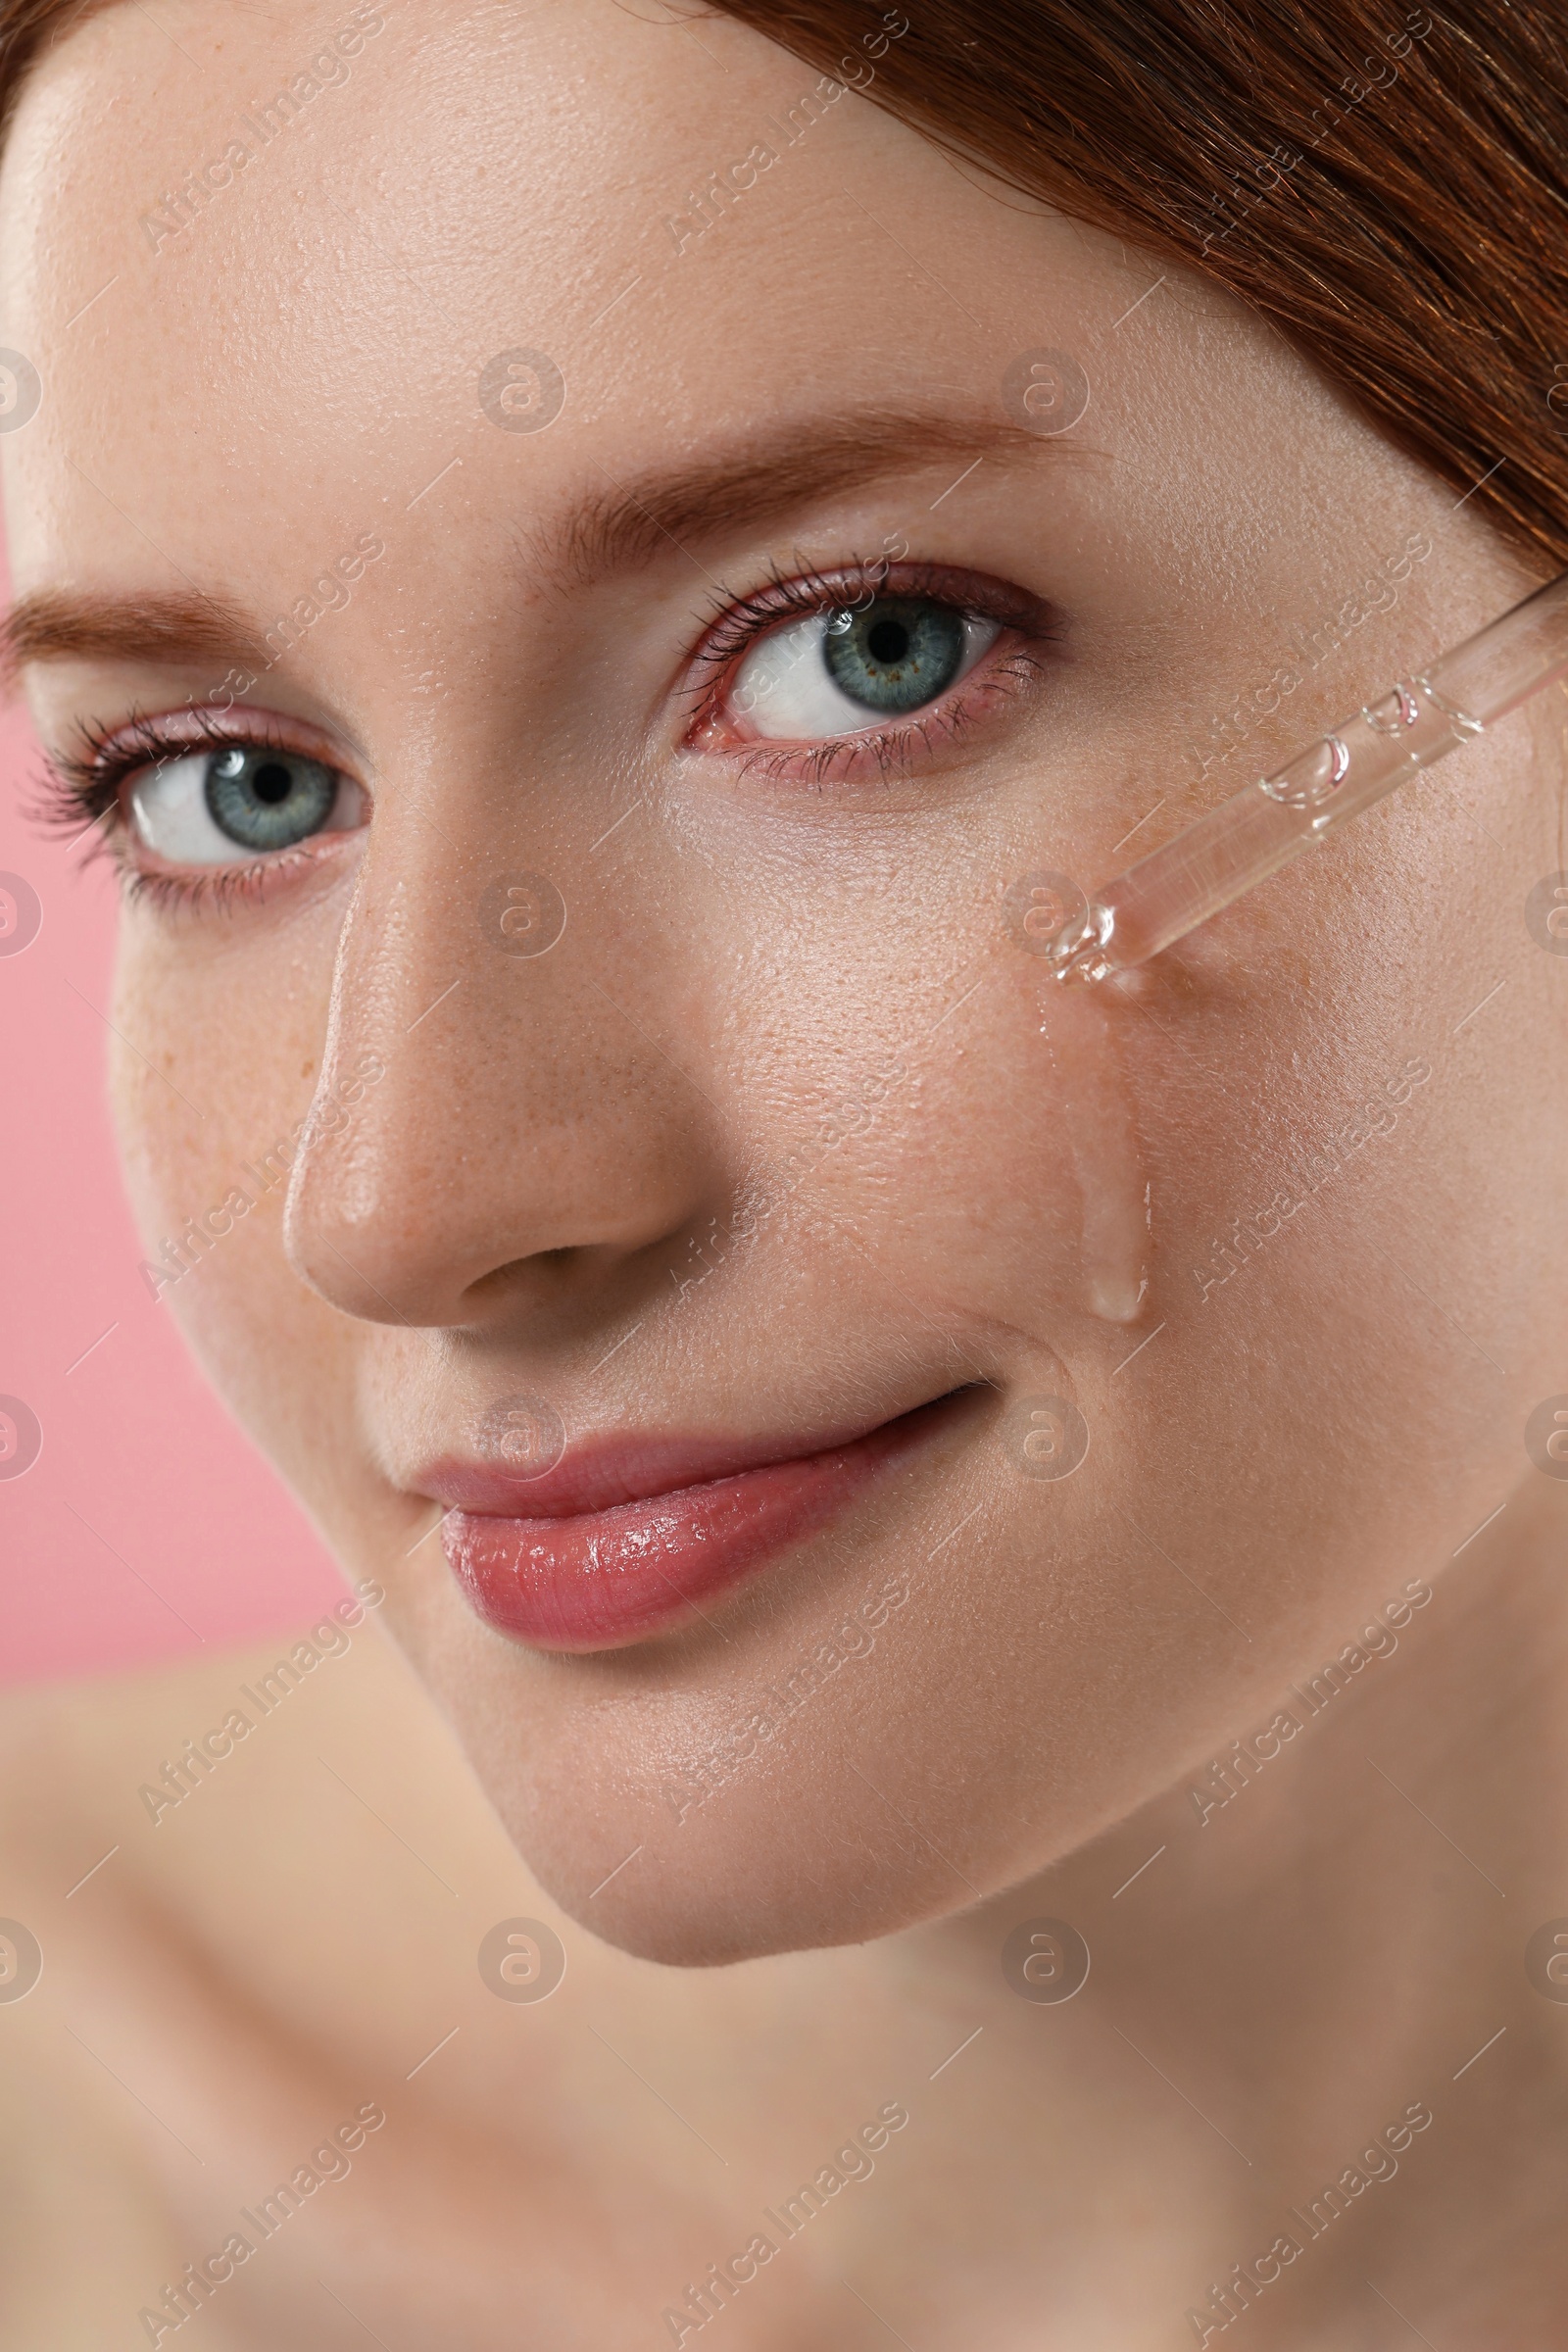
598,1473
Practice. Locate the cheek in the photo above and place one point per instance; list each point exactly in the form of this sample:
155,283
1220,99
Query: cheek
1326,1391
948,1157
941,1099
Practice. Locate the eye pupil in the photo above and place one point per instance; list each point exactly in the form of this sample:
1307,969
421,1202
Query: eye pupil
888,641
272,783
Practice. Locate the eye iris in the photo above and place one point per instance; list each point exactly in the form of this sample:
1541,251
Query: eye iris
268,800
898,654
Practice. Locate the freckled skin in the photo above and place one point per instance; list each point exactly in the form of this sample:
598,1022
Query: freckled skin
510,1205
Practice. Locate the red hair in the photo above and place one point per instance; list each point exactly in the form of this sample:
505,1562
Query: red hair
1386,183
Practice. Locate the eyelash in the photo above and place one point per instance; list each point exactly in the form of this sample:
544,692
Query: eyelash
741,622
83,786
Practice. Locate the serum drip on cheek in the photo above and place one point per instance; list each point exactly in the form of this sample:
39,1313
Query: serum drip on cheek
1216,861
1090,1085
1092,1103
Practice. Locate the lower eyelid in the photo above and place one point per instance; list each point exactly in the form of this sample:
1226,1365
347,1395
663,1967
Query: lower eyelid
880,754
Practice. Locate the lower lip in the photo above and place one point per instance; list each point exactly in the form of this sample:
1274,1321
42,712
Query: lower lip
601,1580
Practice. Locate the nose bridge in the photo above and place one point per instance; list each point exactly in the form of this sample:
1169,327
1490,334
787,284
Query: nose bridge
486,1094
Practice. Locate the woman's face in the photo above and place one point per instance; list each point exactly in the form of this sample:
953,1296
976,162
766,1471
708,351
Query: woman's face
560,532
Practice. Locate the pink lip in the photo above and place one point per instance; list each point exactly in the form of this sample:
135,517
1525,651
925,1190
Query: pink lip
623,1540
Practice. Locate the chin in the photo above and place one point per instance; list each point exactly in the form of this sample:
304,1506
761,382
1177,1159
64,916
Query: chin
810,1843
781,1868
589,1765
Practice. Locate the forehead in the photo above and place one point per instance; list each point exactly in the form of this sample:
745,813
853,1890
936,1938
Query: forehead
299,257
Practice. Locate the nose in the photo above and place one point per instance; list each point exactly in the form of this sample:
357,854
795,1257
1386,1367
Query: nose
495,1124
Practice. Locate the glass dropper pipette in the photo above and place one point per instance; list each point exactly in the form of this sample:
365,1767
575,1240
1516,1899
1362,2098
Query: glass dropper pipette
1219,856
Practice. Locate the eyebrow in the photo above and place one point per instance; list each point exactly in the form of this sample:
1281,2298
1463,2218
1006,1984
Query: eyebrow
624,525
57,624
619,528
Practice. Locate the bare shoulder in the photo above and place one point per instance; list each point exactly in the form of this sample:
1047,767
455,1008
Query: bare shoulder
185,1789
235,1895
81,1758
69,1753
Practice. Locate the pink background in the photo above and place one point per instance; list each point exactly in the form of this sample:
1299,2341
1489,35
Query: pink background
147,1527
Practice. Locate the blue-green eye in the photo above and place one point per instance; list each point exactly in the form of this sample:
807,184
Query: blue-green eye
841,672
267,800
898,654
243,800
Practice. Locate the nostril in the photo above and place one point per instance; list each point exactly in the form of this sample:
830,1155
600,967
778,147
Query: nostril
500,1279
